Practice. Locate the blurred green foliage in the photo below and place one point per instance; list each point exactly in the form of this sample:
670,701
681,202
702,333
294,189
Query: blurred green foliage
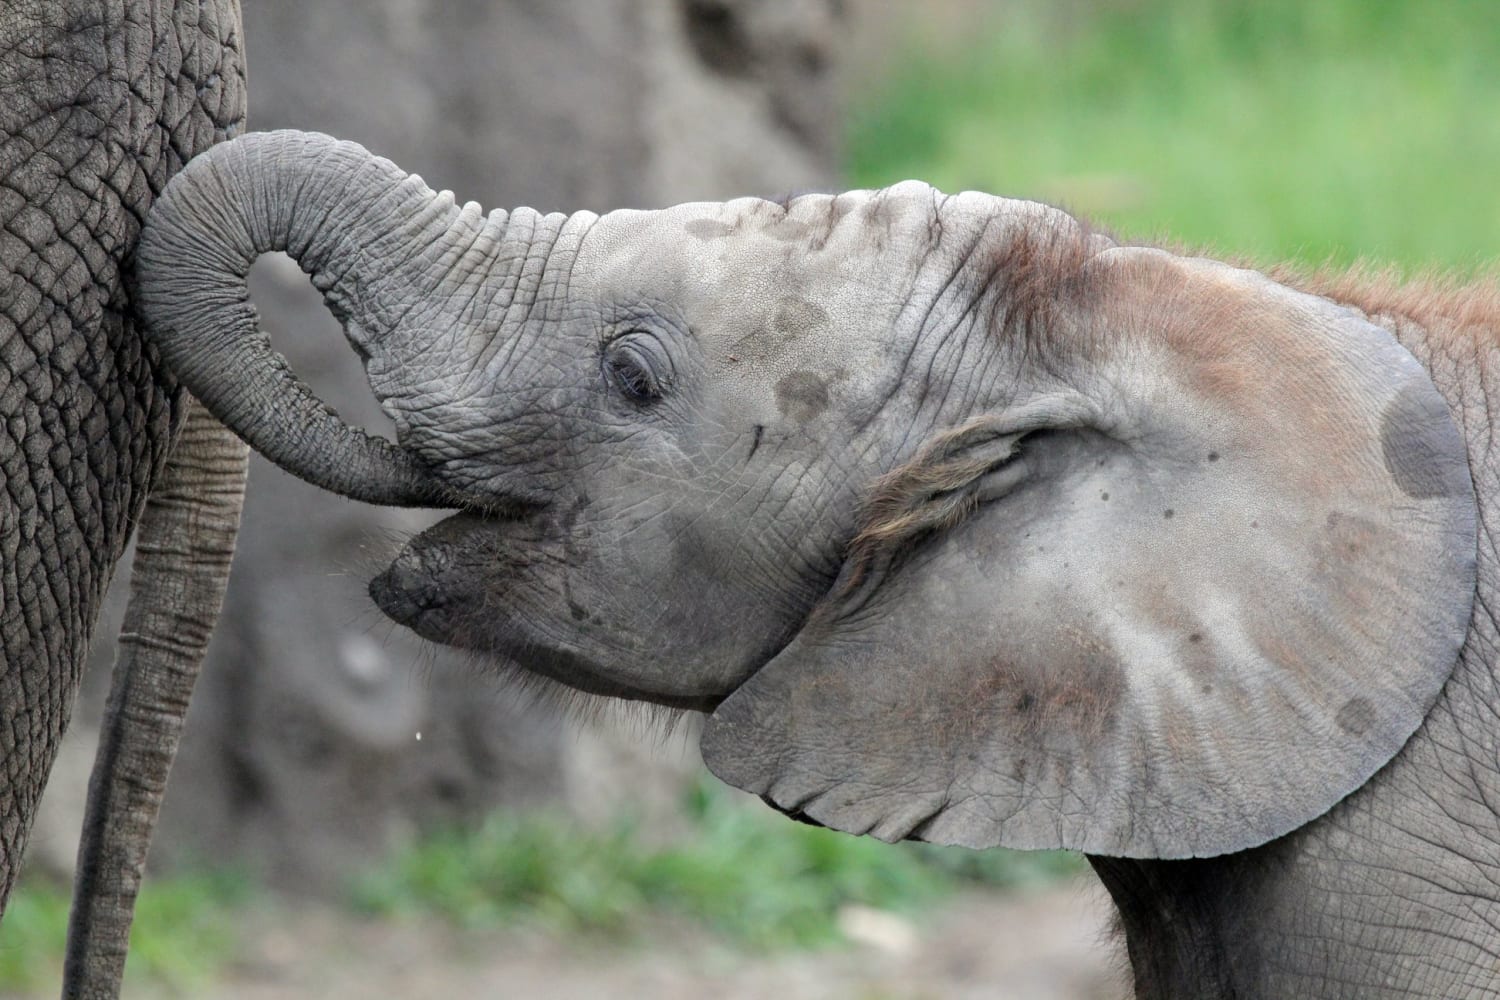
745,873
184,933
1282,129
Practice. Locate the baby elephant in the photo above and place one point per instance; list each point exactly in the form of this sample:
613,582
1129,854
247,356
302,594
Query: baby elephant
959,520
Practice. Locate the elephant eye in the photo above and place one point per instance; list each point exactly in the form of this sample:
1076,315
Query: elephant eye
637,366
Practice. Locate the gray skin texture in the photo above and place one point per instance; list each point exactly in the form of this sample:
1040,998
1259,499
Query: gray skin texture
103,103
961,522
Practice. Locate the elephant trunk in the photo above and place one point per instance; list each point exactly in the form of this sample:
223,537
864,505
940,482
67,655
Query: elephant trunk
369,235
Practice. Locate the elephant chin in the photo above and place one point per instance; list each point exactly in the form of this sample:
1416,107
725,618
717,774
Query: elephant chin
574,672
409,599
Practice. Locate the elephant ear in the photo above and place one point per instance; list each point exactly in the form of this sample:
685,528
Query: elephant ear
1182,612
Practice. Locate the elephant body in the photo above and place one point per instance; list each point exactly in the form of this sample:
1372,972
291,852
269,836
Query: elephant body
103,104
961,522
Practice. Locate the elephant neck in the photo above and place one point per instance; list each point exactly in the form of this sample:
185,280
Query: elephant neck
1178,927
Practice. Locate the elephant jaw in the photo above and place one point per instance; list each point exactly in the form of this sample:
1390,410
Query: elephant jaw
418,590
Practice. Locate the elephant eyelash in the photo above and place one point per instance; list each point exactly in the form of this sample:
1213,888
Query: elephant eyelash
633,381
635,365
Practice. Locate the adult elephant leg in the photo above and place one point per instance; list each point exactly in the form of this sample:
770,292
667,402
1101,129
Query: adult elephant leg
183,547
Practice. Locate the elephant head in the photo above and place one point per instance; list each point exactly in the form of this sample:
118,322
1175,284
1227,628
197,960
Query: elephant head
961,521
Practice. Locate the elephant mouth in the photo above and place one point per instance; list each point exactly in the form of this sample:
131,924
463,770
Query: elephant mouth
417,602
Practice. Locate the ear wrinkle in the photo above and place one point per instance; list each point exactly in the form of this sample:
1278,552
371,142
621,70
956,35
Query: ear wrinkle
951,474
930,493
795,813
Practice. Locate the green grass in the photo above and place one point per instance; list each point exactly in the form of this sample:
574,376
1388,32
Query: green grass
184,933
1334,130
752,877
749,875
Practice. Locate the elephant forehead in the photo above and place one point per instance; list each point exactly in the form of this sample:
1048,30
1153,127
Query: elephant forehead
750,246
811,307
883,239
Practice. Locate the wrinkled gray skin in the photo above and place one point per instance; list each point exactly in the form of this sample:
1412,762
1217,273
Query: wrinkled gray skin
102,103
960,521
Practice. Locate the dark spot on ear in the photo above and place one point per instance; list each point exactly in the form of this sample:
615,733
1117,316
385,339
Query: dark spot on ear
1195,637
1255,524
1357,716
1349,534
760,430
1078,692
1213,456
801,396
1104,495
1422,448
1207,689
708,229
1168,513
798,318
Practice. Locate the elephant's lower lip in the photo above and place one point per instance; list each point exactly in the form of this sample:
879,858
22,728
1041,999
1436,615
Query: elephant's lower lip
397,593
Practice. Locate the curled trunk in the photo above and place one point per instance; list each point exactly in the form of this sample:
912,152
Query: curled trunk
370,236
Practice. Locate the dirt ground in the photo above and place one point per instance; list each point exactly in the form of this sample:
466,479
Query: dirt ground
1048,944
